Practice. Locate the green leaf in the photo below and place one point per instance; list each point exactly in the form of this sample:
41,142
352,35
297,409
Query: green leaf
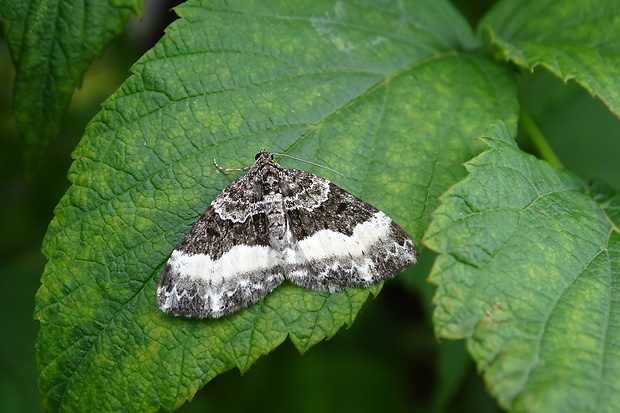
529,273
573,39
52,43
390,95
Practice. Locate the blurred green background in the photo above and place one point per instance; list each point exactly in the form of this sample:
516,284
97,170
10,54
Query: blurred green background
388,360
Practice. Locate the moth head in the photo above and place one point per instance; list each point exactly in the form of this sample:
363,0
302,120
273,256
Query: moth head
263,157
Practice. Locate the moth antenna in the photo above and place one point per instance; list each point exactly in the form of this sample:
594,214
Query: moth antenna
311,163
231,169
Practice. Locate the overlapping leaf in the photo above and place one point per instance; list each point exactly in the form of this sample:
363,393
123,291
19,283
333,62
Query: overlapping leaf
390,95
529,273
52,43
570,38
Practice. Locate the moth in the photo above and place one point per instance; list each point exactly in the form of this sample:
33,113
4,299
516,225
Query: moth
275,224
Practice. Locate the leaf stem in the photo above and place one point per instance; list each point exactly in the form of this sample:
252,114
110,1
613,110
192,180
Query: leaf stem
538,139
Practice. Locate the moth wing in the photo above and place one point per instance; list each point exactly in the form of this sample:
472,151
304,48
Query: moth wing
224,263
342,241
